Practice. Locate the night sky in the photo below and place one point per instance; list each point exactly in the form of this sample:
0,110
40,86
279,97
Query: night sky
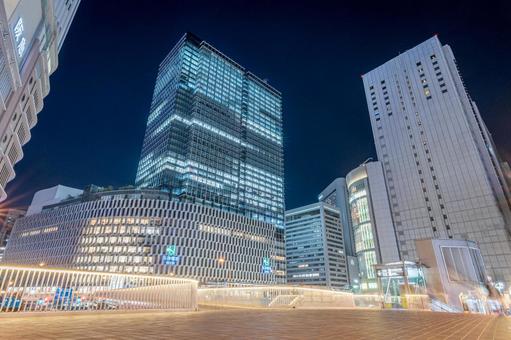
93,122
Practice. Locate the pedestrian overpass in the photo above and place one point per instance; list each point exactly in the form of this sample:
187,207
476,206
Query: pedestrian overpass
25,289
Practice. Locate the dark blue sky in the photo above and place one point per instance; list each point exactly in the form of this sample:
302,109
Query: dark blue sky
93,122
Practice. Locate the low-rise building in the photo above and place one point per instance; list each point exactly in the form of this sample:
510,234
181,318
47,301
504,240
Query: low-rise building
456,274
145,231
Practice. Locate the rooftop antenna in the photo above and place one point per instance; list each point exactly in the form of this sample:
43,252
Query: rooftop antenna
367,160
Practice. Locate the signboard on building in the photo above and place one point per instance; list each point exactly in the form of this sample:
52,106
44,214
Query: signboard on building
266,265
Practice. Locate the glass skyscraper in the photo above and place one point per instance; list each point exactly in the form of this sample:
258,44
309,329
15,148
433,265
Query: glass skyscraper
214,134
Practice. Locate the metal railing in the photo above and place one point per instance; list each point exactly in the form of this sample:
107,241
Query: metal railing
274,296
25,289
302,297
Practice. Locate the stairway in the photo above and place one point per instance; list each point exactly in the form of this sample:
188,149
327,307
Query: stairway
285,301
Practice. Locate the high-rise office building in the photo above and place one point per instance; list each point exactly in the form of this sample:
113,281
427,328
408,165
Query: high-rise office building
6,223
214,134
315,247
442,172
28,56
336,194
146,231
373,228
65,11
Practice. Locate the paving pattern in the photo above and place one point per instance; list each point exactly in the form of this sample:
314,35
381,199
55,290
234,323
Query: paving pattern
257,324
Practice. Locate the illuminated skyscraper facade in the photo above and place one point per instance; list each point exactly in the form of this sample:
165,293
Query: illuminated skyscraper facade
214,134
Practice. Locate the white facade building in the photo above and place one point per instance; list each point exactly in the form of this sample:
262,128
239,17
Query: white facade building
28,56
373,227
443,176
50,196
145,231
336,194
7,222
455,273
65,11
315,247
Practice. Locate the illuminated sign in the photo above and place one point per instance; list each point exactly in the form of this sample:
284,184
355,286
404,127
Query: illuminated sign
266,265
171,250
170,259
500,286
391,272
19,39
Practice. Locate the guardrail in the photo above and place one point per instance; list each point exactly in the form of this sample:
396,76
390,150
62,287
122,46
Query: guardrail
274,297
24,289
302,297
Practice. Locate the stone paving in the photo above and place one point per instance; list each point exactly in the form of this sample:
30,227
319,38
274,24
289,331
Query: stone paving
257,324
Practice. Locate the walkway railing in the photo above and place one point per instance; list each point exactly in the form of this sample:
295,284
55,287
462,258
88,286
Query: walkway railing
301,297
25,289
274,296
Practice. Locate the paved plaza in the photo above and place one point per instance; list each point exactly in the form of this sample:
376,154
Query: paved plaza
257,324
